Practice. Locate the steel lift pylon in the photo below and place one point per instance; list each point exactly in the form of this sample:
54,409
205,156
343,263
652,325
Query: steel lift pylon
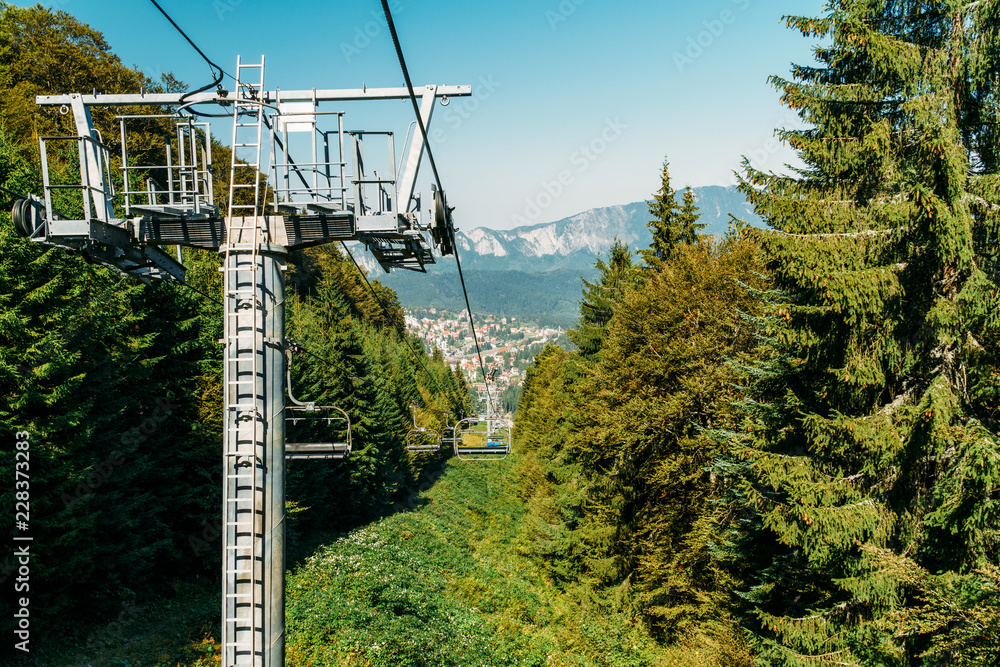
254,462
254,244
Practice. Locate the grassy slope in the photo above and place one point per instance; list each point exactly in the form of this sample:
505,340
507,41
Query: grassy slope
440,583
443,585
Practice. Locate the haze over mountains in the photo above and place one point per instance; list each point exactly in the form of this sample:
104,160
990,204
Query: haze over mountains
534,271
574,242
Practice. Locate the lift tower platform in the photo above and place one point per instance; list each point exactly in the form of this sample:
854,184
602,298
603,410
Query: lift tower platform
318,194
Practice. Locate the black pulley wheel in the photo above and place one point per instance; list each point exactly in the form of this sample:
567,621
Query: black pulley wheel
15,216
440,216
21,214
440,229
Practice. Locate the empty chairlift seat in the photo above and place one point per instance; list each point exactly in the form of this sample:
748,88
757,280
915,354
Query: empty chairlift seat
482,439
314,431
422,438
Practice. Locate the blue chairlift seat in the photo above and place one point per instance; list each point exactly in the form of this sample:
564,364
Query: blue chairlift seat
482,439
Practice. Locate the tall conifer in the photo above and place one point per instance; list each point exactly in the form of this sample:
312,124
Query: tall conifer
876,460
663,207
597,307
687,219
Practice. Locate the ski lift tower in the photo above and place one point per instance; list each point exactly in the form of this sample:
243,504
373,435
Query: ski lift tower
318,194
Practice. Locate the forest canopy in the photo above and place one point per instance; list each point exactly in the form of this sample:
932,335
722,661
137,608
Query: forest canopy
785,445
119,383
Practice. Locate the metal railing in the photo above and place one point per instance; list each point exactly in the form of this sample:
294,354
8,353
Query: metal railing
385,198
188,186
321,180
93,198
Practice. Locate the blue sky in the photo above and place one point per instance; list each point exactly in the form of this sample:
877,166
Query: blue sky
577,101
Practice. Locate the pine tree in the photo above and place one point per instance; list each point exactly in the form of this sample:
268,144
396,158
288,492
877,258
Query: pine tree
875,457
687,219
664,225
600,297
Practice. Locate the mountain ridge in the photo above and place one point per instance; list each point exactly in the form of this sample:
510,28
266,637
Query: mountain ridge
573,243
532,270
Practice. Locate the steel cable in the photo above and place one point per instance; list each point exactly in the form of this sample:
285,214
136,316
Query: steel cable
437,179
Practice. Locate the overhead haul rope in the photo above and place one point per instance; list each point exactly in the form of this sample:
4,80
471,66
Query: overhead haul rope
437,178
388,317
218,77
430,155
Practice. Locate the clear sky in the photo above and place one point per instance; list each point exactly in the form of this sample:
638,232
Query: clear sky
590,92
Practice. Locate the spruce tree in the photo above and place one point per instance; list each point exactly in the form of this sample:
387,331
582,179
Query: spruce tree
874,449
95,367
599,298
664,225
119,383
549,480
672,223
687,219
663,382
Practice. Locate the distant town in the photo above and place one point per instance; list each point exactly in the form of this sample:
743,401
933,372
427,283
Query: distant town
508,346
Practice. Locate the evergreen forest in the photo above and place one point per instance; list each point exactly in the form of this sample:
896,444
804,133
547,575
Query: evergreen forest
119,383
778,447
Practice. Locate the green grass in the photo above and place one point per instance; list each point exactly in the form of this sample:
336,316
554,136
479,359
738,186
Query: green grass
439,583
443,585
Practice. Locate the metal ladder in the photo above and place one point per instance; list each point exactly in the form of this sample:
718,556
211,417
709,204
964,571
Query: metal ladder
244,486
248,102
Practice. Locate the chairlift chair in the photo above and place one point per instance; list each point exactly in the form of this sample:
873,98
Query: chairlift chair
482,439
314,431
420,438
450,435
